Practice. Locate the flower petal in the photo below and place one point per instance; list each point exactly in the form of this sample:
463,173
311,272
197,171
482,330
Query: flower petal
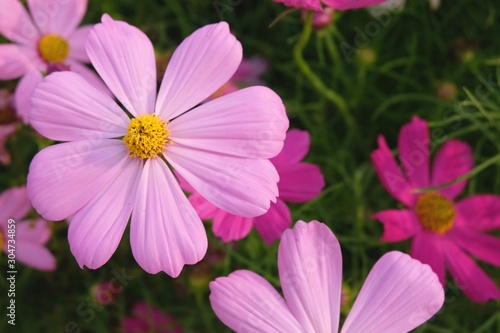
245,302
414,151
97,228
35,231
35,255
201,64
23,93
243,187
390,174
310,269
13,62
399,294
77,41
469,276
64,177
91,77
272,224
480,212
427,248
124,58
295,148
251,123
306,4
16,24
481,246
165,233
202,206
300,182
229,227
399,224
453,160
66,107
14,203
350,4
59,17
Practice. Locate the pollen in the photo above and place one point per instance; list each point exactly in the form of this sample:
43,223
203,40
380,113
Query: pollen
53,48
436,212
147,136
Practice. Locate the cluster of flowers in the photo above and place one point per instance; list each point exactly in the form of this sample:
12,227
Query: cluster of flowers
230,149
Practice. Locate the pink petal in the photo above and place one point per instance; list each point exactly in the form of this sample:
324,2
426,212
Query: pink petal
91,76
97,228
124,58
202,206
165,233
64,177
453,160
200,65
480,212
399,224
306,4
413,146
481,246
300,182
390,175
351,4
14,204
243,187
5,132
310,269
399,294
77,41
245,302
248,123
295,148
230,227
35,231
250,70
16,24
23,93
272,224
59,17
13,62
35,255
427,248
66,107
469,276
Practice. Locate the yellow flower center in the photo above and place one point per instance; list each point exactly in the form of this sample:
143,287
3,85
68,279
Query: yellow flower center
436,212
53,48
147,136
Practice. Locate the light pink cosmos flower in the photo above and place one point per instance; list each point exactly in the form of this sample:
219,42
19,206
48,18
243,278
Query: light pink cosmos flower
299,182
398,295
335,4
7,123
146,318
444,232
30,236
46,35
113,166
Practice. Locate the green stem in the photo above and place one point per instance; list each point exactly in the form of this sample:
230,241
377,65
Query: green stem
331,95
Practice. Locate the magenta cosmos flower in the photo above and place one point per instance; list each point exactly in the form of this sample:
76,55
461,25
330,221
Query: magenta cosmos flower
48,36
335,4
30,236
398,295
299,182
444,232
145,319
118,163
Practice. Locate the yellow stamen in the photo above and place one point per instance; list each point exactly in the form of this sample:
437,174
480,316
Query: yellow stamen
436,212
53,48
147,136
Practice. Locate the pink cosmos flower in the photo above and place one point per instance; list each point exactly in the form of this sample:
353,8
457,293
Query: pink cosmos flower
299,182
146,318
105,292
116,164
399,294
49,35
444,232
7,123
30,236
335,4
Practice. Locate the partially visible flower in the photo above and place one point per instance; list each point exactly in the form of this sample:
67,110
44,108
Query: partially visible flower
316,5
444,233
105,292
112,167
49,35
399,294
147,319
30,235
299,182
321,19
8,124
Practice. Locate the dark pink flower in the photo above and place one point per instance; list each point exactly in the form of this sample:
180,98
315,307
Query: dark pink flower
147,319
445,233
335,4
